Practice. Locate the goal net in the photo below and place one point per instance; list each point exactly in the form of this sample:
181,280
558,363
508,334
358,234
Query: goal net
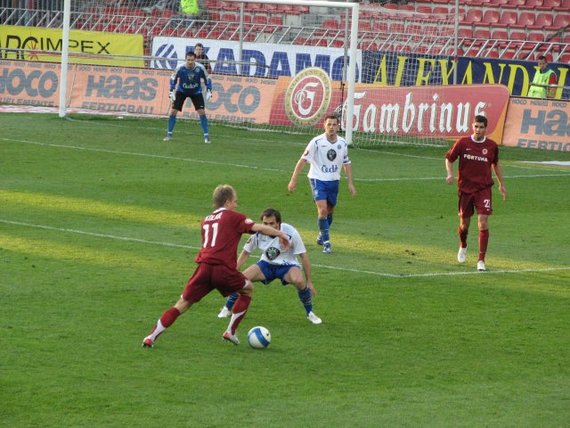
409,59
276,65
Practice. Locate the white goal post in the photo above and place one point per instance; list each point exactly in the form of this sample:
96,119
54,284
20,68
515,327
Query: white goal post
350,50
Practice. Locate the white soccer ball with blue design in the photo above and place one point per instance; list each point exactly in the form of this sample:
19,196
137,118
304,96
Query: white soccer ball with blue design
258,337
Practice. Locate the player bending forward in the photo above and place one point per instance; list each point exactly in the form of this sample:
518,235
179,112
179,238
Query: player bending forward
221,233
278,263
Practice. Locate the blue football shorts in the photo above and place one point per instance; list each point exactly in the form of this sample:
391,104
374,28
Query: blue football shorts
325,190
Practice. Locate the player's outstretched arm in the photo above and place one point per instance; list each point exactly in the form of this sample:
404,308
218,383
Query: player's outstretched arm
268,230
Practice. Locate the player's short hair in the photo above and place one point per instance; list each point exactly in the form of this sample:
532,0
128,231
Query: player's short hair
543,58
481,119
222,194
199,45
332,116
271,212
190,53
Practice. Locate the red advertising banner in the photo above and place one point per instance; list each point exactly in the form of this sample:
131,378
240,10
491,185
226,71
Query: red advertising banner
538,124
438,111
130,90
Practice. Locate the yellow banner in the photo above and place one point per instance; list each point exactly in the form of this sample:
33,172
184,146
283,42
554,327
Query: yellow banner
85,47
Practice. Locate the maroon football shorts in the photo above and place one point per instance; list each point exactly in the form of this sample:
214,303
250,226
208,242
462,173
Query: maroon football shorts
480,201
212,277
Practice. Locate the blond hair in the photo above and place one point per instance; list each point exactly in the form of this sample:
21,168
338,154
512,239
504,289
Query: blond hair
222,194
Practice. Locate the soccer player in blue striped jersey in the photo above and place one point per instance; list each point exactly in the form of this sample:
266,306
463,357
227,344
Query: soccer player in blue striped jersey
327,154
186,82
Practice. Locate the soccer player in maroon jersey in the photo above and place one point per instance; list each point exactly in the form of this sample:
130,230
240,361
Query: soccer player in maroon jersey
477,155
221,233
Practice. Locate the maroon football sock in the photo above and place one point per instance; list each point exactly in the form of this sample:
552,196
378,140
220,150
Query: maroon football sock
483,241
238,312
462,236
168,318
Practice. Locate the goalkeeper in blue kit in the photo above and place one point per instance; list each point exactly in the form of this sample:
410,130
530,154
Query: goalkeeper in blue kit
186,82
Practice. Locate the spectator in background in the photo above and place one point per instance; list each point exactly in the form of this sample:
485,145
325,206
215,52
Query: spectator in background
162,5
544,81
202,58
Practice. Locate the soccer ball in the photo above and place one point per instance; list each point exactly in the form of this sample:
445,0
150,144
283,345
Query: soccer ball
258,337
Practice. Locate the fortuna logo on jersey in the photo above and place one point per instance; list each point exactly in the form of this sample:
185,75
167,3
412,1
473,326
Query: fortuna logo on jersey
475,158
272,253
308,96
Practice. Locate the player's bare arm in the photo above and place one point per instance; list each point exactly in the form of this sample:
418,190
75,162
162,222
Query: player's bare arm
268,230
348,172
449,169
298,168
244,255
499,174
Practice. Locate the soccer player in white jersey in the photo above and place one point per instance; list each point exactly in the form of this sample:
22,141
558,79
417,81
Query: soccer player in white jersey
277,263
327,154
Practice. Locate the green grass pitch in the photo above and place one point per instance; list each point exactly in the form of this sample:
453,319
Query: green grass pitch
99,225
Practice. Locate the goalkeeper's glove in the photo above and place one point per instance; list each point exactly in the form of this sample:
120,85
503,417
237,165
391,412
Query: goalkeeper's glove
172,96
208,94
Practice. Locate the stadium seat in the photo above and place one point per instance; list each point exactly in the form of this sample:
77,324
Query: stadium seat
508,18
465,32
549,5
396,27
517,36
365,26
424,9
543,21
441,10
259,19
531,4
481,36
229,5
288,9
525,20
331,24
253,7
514,4
501,36
276,20
564,58
498,3
473,16
380,26
212,4
561,21
564,6
269,7
230,17
491,17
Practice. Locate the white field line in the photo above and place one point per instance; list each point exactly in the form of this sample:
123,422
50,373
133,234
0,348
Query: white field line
338,268
236,165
